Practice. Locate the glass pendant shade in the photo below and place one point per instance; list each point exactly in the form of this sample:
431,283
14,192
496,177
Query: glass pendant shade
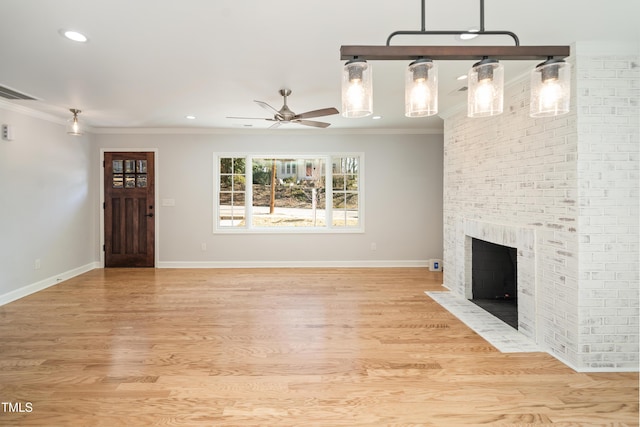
73,125
486,89
550,89
421,89
357,93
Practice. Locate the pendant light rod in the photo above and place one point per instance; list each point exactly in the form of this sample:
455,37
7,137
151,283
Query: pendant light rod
424,31
550,80
517,52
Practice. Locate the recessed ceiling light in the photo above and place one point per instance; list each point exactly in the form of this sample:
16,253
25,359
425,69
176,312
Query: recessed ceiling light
467,36
190,117
74,35
376,117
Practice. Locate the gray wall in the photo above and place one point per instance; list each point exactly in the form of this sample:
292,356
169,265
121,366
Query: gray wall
48,205
403,199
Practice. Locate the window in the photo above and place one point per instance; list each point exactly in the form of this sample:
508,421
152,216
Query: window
232,191
345,191
289,193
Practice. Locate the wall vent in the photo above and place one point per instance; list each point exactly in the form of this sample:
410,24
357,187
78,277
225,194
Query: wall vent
7,93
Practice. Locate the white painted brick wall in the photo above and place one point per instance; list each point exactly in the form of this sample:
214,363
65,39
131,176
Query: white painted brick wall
608,172
574,181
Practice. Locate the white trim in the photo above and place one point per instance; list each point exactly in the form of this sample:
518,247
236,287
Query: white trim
606,48
248,228
45,283
595,370
296,264
156,201
21,109
230,131
27,111
499,334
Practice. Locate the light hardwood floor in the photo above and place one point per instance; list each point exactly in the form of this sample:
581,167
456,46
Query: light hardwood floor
278,347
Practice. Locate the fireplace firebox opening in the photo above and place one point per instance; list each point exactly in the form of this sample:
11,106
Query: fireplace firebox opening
494,280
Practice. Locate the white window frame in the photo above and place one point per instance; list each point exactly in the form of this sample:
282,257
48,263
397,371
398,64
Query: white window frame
248,228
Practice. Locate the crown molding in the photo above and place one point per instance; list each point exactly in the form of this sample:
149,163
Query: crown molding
220,131
607,48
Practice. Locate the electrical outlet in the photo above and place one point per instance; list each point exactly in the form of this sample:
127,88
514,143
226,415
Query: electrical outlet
36,264
374,246
7,133
203,246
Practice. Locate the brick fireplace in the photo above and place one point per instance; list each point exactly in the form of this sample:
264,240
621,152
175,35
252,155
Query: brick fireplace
563,191
523,240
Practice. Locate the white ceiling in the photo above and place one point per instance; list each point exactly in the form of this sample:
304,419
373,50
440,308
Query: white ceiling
149,63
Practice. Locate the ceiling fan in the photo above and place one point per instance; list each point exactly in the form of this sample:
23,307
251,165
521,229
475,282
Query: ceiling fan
285,115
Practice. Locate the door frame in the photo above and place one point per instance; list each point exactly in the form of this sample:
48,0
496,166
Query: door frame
156,216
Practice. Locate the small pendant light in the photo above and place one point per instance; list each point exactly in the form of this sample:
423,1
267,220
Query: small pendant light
73,125
421,89
357,94
550,88
486,89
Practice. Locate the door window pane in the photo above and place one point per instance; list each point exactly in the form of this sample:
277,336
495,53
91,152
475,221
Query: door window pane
118,180
141,166
141,180
117,166
130,181
129,166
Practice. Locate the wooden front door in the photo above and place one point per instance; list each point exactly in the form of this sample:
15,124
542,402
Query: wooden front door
129,215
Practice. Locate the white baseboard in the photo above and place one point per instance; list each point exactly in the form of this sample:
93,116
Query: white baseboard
587,369
293,264
43,284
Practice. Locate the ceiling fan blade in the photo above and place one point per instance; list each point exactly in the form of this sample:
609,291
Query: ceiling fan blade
266,106
312,123
317,113
250,118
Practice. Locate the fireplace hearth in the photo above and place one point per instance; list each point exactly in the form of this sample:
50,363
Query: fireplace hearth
494,280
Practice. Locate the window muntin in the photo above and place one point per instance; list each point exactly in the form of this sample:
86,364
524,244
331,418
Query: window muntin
289,194
232,192
345,190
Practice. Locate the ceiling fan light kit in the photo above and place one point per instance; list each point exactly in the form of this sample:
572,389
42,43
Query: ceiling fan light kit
550,80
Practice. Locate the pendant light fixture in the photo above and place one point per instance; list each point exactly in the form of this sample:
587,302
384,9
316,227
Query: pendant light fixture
357,93
550,79
73,125
485,96
421,89
550,88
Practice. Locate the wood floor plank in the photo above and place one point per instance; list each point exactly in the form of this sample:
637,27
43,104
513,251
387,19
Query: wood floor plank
285,347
